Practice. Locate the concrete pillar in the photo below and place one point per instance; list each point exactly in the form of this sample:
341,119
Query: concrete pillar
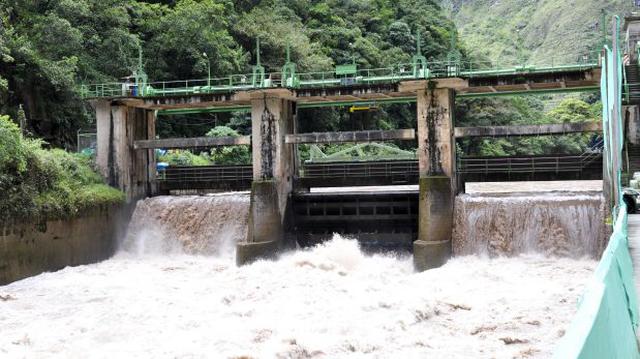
632,130
272,118
117,127
436,158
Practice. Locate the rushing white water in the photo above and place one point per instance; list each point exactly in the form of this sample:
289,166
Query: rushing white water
209,225
567,224
153,300
328,302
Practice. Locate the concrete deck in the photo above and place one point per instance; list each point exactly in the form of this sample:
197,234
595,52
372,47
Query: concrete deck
633,228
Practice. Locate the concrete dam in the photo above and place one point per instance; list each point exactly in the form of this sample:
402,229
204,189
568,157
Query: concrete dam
175,270
440,254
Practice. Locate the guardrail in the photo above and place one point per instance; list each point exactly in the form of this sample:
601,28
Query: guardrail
390,74
206,173
205,178
607,319
547,164
359,169
366,172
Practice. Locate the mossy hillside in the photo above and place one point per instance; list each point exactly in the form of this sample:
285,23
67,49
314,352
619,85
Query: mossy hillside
38,183
537,31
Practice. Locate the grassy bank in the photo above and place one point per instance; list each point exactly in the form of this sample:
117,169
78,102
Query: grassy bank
45,183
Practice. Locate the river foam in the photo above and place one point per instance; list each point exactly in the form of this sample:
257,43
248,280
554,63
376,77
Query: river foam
331,301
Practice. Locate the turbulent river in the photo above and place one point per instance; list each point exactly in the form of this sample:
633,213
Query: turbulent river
172,292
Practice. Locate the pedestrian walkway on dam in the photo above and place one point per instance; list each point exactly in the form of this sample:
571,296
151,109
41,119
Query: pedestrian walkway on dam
633,231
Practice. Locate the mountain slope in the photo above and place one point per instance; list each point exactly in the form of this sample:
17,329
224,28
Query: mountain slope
537,31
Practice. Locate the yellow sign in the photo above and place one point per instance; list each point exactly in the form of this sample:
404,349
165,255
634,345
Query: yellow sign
362,108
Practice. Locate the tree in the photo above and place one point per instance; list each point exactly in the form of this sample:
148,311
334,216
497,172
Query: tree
229,155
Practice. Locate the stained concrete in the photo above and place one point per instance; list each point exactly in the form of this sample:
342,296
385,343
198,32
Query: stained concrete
429,254
435,223
118,127
247,253
272,117
436,161
352,136
436,146
524,130
192,142
30,248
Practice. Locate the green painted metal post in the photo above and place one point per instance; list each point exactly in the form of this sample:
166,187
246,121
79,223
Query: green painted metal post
603,25
258,52
208,69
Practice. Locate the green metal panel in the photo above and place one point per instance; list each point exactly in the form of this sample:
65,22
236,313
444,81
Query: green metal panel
350,69
188,111
417,69
530,92
357,102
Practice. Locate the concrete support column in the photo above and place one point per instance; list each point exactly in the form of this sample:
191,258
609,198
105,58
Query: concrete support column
436,157
118,126
272,118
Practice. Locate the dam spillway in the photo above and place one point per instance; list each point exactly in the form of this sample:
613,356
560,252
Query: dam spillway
173,289
204,225
559,223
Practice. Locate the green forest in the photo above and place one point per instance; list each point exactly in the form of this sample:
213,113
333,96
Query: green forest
542,31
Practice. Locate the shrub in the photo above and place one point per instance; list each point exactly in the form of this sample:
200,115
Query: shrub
35,182
229,155
184,158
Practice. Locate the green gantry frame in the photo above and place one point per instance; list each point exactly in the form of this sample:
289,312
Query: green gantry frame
342,75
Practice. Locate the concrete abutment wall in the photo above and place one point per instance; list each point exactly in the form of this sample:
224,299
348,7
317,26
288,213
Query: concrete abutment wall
31,247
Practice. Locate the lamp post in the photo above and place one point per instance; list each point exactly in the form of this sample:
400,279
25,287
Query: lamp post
208,68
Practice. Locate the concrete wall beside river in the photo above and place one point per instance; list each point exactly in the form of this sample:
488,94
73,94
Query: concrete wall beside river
30,248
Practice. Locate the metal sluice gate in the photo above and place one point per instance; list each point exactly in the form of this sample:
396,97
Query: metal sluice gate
379,220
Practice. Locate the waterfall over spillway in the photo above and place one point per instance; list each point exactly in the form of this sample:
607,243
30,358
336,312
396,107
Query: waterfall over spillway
567,224
207,225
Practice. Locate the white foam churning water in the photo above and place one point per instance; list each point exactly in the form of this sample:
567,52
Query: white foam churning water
209,225
567,224
331,301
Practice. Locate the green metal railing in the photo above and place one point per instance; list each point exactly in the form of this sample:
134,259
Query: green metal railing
290,79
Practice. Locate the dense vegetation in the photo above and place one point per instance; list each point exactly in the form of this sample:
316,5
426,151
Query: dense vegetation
35,182
538,32
220,155
521,111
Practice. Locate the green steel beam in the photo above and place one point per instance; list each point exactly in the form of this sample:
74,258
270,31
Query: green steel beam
385,101
530,92
189,111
